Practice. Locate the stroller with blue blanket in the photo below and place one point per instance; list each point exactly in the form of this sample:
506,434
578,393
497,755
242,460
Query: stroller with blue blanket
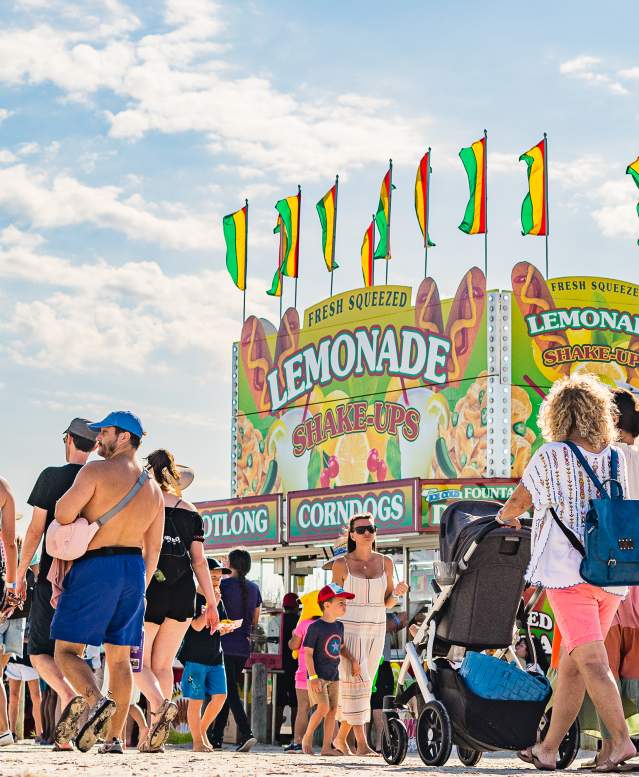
479,702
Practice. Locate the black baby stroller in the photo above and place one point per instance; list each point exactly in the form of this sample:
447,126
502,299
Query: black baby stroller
479,582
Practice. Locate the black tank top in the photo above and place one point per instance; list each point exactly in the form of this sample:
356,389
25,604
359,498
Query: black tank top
181,528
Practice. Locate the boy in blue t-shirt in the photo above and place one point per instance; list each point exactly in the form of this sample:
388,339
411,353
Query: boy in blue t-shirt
323,646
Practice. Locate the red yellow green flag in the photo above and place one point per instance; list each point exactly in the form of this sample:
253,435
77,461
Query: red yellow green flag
422,194
289,212
383,215
327,212
474,161
534,219
276,286
367,254
633,170
235,236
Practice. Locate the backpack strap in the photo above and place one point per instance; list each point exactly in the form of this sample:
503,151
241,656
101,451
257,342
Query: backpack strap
144,476
588,469
570,535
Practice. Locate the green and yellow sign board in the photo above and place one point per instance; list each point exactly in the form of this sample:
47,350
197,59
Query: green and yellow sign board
249,522
567,326
319,515
366,388
437,495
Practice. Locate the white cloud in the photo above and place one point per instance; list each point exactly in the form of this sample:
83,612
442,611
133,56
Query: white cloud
79,317
631,73
617,214
7,157
579,172
49,201
500,162
4,114
587,68
175,81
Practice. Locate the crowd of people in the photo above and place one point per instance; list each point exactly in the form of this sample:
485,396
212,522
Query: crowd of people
130,576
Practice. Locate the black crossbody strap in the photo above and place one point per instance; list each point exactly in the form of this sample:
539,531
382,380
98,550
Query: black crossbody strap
570,535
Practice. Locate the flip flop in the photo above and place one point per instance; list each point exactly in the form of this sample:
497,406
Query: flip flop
528,757
588,766
525,756
96,724
67,726
608,766
159,731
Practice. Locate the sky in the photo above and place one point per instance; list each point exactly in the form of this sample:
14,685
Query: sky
128,129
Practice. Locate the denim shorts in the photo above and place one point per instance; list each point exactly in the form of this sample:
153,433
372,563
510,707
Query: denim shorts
201,680
12,636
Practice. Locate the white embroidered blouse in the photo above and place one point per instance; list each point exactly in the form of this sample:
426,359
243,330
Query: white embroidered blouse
555,477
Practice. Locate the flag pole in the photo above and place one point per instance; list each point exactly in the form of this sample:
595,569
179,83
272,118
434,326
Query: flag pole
245,262
546,196
297,244
334,232
390,201
426,216
373,260
486,203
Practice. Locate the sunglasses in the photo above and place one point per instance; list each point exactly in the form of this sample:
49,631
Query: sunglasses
363,529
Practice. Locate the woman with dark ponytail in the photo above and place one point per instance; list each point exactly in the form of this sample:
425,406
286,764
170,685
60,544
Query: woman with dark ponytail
242,599
170,597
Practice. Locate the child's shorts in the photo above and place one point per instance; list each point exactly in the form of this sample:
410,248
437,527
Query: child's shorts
328,695
202,680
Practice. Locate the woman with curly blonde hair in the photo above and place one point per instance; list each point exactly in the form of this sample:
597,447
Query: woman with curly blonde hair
581,410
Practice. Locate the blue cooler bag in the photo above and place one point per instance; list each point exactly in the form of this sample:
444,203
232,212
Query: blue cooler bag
493,678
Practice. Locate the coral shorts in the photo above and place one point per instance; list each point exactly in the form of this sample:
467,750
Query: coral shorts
583,613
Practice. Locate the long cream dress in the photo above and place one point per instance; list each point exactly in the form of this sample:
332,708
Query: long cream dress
364,633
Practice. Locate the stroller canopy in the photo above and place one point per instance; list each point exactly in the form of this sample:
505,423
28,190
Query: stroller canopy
461,523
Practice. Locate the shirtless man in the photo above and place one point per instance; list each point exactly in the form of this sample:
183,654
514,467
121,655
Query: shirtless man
7,596
103,597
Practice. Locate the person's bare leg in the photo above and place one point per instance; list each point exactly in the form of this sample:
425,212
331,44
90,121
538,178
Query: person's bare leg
34,693
120,686
329,730
4,719
165,648
46,667
15,688
210,713
316,718
68,656
378,721
145,680
301,719
193,710
362,743
138,716
340,742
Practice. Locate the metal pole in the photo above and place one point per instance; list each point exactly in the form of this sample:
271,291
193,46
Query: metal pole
297,245
373,244
426,216
245,263
334,232
546,197
486,203
390,201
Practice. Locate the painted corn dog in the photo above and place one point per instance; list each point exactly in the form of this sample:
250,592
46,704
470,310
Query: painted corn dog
533,296
428,308
633,372
257,362
464,321
287,343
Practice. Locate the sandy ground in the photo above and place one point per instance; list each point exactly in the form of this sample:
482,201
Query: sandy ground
27,760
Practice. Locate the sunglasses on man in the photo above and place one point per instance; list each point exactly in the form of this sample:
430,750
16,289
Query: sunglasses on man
363,529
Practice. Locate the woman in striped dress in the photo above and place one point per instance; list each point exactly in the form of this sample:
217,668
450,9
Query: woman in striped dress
368,575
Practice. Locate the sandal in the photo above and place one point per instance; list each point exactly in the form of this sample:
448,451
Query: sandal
159,731
96,724
67,726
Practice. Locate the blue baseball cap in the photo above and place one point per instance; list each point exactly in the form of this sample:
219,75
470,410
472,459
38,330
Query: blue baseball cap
123,419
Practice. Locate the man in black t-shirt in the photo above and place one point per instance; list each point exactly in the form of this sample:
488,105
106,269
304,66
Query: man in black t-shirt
52,483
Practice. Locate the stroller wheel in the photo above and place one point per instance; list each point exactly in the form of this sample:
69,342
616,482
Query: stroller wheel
468,756
434,734
395,743
569,746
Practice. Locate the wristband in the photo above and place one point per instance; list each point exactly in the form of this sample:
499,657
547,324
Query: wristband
13,586
313,677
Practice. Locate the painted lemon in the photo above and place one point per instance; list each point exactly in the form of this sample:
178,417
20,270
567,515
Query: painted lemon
437,407
352,454
610,373
276,433
331,400
396,390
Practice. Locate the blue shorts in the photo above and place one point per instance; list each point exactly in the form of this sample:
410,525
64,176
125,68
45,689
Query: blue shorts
201,680
102,601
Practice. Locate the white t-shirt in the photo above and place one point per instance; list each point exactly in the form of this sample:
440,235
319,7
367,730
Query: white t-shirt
555,478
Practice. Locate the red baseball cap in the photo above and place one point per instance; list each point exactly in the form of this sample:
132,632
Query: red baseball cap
333,591
290,600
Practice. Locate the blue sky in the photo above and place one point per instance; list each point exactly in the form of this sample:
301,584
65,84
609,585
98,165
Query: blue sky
129,128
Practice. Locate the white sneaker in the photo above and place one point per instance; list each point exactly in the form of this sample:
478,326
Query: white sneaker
6,739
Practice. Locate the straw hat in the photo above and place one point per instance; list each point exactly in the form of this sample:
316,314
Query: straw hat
187,476
338,550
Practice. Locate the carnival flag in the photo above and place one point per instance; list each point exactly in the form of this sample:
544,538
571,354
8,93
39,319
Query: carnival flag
367,254
383,215
474,161
235,227
422,196
289,213
633,170
534,208
276,286
327,212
